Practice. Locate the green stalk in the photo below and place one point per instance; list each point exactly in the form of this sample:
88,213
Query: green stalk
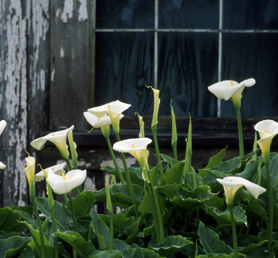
114,159
40,227
233,230
74,220
111,231
240,136
54,228
154,129
270,208
128,179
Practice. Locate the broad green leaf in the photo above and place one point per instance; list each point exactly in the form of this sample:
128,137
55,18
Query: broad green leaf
101,230
83,203
169,160
231,255
211,242
154,175
12,246
174,174
171,245
256,250
224,217
27,253
107,254
250,171
139,253
83,248
172,190
120,195
216,159
61,212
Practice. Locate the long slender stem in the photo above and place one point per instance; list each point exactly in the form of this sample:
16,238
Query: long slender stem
233,230
240,136
114,159
40,227
74,221
111,231
54,228
270,208
156,146
128,180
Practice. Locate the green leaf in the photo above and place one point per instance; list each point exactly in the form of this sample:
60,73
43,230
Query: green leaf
174,174
256,250
61,212
120,195
216,159
231,255
12,246
107,254
83,248
171,245
101,230
224,217
83,203
169,160
139,253
211,242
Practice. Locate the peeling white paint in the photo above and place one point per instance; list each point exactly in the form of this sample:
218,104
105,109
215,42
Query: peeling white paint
52,74
90,184
129,161
67,10
82,12
62,52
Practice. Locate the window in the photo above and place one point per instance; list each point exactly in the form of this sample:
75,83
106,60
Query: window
181,47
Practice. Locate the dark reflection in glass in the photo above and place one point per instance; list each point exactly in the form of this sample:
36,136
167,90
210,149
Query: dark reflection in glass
252,14
193,14
124,64
124,14
252,55
187,66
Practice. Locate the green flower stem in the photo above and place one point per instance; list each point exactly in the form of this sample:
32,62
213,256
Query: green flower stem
240,137
68,164
158,223
111,231
72,213
270,208
77,189
54,228
40,227
175,151
128,179
114,159
154,129
233,230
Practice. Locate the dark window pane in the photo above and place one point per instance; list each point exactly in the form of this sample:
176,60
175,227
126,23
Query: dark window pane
124,64
252,14
187,65
124,14
256,56
193,14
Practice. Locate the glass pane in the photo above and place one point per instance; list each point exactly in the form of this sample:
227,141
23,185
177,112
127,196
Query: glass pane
124,64
254,14
252,56
188,64
191,14
124,14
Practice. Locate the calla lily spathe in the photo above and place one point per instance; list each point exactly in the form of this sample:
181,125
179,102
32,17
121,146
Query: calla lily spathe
3,125
137,148
231,184
267,130
59,138
30,174
230,89
113,110
57,169
62,184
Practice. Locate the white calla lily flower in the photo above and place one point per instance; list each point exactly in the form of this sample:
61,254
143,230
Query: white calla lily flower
267,130
57,169
232,183
137,148
98,122
62,184
58,138
113,110
230,89
2,165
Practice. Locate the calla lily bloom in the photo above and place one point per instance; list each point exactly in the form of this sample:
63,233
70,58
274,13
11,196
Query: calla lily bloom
57,169
137,148
30,174
267,130
230,89
232,183
156,105
3,125
62,184
113,110
59,138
